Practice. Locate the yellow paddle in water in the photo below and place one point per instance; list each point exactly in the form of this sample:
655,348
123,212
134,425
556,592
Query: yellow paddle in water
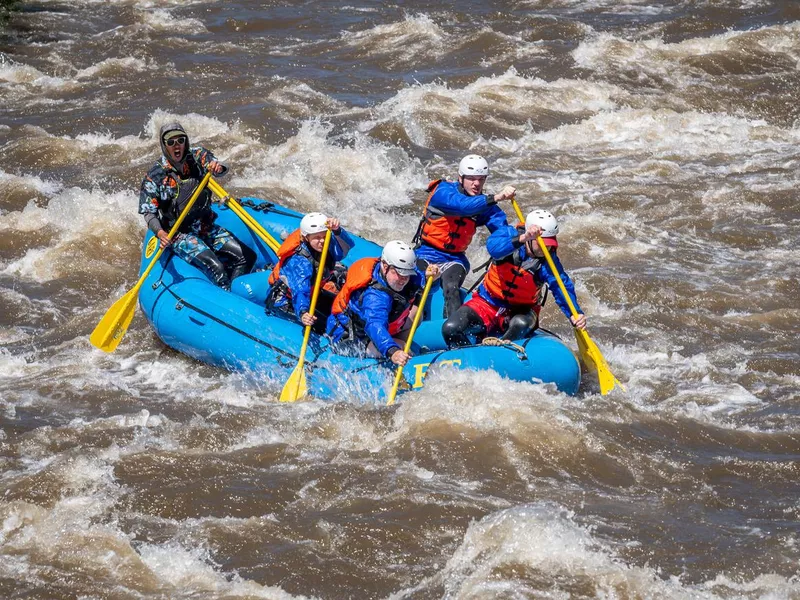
407,349
295,388
112,327
589,352
240,212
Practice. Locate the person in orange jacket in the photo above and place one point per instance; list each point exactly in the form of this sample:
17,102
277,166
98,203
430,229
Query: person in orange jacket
299,259
378,300
452,214
508,301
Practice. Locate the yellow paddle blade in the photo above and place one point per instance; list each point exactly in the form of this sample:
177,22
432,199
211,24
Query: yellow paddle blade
112,327
295,387
594,360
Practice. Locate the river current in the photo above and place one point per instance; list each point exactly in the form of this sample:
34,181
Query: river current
664,136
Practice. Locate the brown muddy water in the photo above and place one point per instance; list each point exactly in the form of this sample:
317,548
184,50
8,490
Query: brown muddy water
664,135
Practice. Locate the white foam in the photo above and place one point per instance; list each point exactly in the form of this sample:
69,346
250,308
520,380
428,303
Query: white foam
664,133
17,73
67,215
707,402
362,182
543,538
483,401
163,20
76,534
43,186
89,142
126,421
402,43
424,109
608,53
68,536
698,396
627,7
300,99
184,570
113,66
12,366
177,378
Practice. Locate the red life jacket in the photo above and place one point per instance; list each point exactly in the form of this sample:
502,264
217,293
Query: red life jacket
294,245
511,281
445,232
359,276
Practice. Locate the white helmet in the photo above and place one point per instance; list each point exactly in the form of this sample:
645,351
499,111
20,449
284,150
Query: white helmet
474,165
543,219
313,223
401,256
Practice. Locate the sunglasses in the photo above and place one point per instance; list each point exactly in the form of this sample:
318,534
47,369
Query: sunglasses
176,140
398,273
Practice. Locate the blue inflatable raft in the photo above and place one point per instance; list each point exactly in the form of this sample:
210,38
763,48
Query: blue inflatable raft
231,329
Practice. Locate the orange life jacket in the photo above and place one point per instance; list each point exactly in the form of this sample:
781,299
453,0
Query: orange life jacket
511,280
359,276
293,245
445,232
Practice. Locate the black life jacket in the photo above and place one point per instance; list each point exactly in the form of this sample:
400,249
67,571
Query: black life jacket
186,186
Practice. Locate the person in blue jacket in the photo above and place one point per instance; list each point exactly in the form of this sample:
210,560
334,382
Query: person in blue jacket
378,301
299,258
452,214
512,293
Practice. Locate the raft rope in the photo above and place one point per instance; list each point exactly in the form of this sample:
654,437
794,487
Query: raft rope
493,341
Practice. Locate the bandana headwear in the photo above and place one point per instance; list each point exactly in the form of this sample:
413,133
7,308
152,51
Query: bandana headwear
168,131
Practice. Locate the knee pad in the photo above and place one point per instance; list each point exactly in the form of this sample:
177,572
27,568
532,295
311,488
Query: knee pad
239,257
214,268
454,334
521,326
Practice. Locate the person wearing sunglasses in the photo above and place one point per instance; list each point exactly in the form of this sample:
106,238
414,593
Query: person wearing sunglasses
375,308
165,191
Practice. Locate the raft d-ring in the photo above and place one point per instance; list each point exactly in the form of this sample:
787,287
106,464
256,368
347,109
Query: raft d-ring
286,362
179,305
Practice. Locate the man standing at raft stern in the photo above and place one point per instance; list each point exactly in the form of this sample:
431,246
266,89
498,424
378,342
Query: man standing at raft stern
509,299
165,191
452,213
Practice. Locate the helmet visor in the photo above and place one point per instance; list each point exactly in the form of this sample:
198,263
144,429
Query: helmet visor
404,272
